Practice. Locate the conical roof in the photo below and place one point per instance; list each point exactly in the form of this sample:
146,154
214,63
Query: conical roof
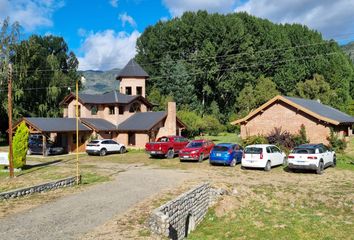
132,69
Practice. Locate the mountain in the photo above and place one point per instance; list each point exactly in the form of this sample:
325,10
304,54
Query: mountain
349,49
97,82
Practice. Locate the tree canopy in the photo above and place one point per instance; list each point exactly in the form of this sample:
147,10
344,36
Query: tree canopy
226,64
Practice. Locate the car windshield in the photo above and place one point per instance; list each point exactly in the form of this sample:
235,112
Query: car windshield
304,150
220,148
194,145
253,150
163,139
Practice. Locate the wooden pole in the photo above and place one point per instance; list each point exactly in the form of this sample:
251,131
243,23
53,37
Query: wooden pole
9,97
77,133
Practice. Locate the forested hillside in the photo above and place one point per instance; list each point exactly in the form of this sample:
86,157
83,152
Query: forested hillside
349,49
219,65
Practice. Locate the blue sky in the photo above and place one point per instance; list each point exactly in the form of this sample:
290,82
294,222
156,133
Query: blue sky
103,33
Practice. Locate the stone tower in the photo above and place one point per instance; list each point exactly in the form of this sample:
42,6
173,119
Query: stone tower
132,79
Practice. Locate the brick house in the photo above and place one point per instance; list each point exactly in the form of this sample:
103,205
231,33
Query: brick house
290,113
123,115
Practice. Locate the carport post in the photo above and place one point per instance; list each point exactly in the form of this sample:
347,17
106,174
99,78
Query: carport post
44,141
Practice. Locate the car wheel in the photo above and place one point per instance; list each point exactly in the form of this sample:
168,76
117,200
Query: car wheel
170,154
267,167
201,157
103,152
233,163
122,150
320,168
334,161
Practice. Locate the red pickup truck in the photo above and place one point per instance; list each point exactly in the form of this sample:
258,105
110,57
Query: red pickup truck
167,146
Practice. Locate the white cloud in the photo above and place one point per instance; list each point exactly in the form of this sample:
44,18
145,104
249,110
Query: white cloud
107,50
125,18
178,7
31,14
327,16
114,3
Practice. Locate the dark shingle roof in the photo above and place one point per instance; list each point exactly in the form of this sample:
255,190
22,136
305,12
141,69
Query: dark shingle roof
99,124
143,121
56,124
106,98
323,110
132,69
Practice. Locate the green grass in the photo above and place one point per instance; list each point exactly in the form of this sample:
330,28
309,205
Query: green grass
223,138
90,178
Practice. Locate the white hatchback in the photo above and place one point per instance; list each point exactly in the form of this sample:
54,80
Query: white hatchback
104,146
262,156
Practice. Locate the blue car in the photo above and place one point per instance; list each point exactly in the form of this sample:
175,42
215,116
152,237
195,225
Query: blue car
226,154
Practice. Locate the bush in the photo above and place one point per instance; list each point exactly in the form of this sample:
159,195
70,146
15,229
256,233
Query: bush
20,146
281,138
335,142
258,139
301,137
212,126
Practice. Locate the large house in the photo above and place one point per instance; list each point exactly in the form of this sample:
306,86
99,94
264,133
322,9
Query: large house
124,115
290,113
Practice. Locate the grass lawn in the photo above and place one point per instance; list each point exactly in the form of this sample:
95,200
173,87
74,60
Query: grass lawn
223,138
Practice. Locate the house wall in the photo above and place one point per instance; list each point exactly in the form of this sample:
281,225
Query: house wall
121,138
141,139
133,83
289,119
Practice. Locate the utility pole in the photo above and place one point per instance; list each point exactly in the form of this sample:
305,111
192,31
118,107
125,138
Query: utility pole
9,100
77,133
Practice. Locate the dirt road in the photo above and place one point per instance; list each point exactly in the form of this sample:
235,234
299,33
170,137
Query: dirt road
74,215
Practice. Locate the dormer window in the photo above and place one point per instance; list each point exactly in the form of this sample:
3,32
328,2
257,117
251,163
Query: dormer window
94,110
128,90
111,110
135,107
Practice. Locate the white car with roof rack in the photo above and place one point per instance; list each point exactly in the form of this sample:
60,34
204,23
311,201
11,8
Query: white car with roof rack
263,156
312,157
104,146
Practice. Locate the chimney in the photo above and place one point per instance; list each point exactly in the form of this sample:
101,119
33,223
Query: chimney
170,123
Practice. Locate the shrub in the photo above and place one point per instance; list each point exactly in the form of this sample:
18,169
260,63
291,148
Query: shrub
335,142
211,125
257,139
281,138
301,137
20,146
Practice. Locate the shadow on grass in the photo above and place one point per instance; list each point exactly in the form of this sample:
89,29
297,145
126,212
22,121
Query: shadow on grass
35,167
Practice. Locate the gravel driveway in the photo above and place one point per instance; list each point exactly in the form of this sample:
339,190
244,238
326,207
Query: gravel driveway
74,215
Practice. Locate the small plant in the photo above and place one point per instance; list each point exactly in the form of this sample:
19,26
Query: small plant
301,137
335,142
281,138
257,139
20,146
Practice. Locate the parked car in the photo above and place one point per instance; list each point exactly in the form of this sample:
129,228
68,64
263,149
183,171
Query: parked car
196,150
226,154
35,146
263,156
311,156
104,146
167,146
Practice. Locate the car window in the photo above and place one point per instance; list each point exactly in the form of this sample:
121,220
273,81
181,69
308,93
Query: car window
321,150
304,151
164,139
275,149
105,142
268,150
220,148
112,142
194,144
253,150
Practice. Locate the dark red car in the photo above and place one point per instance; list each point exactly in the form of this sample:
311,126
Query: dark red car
196,150
167,146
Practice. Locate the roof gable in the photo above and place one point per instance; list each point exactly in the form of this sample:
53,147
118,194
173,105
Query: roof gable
312,107
132,69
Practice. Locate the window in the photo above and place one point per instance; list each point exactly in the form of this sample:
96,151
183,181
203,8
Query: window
94,110
139,91
135,107
111,110
268,150
121,110
105,142
131,139
128,90
274,149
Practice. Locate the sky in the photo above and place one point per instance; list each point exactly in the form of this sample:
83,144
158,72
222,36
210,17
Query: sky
103,33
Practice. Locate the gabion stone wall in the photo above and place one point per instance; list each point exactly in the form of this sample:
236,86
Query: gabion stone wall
66,182
177,218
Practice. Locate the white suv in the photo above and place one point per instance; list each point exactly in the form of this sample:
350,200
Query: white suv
311,156
262,156
104,146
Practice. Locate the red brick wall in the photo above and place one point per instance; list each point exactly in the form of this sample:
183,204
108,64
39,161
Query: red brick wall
288,118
